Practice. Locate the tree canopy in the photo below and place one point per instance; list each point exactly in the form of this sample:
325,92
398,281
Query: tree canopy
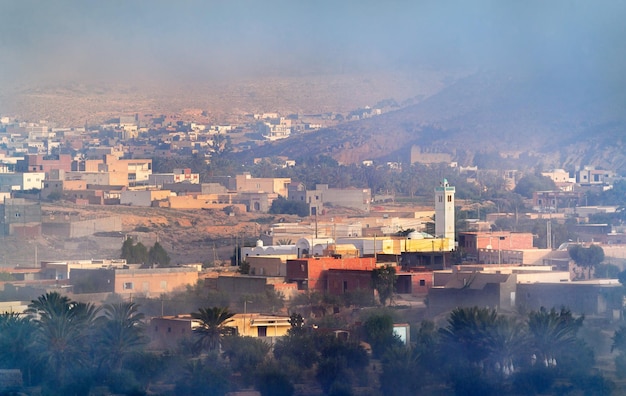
586,257
531,183
282,205
384,282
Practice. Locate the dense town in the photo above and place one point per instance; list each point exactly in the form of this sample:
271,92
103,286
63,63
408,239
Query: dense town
328,297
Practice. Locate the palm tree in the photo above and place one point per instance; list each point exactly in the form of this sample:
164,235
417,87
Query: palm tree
211,326
467,333
402,362
552,334
17,336
121,332
63,330
506,343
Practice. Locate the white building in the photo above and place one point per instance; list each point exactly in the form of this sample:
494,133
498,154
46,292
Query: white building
178,176
22,181
444,212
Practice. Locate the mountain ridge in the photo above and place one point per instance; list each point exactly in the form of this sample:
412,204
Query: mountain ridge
559,123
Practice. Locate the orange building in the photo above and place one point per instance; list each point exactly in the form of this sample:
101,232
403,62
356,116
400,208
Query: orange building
312,273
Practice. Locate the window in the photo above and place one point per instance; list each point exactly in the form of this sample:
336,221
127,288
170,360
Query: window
128,286
449,198
169,329
440,198
422,282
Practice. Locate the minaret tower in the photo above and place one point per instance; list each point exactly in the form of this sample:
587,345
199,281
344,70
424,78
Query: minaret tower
444,212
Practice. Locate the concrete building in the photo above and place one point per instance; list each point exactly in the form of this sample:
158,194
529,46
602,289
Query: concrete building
597,297
355,198
41,163
468,289
268,265
127,172
555,201
247,183
259,202
342,281
590,176
243,285
444,213
20,217
167,332
99,178
60,270
143,197
72,227
21,181
559,176
312,273
506,287
254,256
472,242
127,282
177,176
420,156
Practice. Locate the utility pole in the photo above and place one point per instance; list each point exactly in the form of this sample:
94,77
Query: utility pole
549,234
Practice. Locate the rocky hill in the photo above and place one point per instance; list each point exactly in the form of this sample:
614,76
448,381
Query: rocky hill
552,121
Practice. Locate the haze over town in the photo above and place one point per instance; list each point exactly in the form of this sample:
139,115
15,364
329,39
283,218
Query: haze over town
312,198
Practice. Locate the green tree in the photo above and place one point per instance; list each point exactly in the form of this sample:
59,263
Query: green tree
378,331
384,282
127,249
120,333
134,253
244,267
17,342
402,362
619,344
64,328
466,335
606,271
210,378
158,255
245,354
531,183
553,335
297,323
586,257
296,349
212,326
282,205
332,370
273,381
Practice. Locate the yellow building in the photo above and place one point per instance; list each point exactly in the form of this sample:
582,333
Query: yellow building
247,183
167,332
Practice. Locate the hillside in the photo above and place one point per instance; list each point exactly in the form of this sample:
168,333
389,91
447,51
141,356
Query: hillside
553,121
189,236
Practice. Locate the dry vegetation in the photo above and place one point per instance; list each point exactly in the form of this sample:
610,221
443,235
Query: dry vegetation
189,236
77,104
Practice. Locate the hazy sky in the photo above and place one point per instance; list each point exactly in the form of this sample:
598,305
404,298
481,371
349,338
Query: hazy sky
49,40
